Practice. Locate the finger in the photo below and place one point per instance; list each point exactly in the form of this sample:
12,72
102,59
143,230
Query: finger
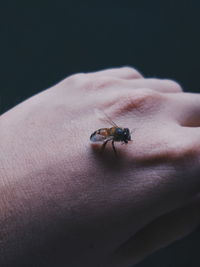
116,83
186,109
158,234
160,85
122,73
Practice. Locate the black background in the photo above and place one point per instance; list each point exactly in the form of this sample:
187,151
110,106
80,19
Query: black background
40,44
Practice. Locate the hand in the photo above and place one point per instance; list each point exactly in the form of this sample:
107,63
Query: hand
63,203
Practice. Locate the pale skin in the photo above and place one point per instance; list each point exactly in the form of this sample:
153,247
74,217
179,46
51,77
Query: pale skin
63,203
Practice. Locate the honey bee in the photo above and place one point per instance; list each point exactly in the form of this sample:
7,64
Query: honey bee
114,134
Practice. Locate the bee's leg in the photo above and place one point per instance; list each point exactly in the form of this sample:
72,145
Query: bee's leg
104,145
114,148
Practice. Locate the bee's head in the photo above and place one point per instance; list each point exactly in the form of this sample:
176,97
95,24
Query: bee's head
126,135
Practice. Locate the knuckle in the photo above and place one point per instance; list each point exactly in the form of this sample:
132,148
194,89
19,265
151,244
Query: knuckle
73,80
175,86
76,77
133,72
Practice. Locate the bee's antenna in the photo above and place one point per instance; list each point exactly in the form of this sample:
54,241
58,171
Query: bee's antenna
103,116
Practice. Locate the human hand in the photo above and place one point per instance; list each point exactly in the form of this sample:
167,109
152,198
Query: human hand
65,204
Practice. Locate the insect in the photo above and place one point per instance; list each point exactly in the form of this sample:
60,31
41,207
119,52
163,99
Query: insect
114,134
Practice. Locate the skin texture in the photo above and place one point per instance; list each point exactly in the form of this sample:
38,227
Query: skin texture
64,203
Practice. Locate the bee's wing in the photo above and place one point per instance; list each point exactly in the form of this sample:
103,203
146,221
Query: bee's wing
95,137
103,116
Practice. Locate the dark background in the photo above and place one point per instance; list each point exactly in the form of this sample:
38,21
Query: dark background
42,44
